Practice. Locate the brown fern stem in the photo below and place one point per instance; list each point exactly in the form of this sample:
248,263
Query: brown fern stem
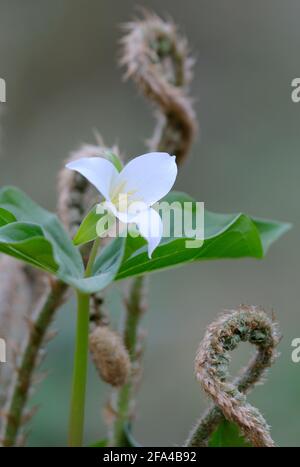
135,307
250,324
30,356
157,58
21,288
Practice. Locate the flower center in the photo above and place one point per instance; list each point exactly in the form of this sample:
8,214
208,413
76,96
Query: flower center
122,198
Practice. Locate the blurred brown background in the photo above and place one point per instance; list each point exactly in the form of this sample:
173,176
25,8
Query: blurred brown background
59,59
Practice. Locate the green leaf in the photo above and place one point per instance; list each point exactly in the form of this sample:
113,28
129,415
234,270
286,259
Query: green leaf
99,444
34,230
32,234
270,231
228,435
226,236
105,268
26,242
36,236
6,217
87,230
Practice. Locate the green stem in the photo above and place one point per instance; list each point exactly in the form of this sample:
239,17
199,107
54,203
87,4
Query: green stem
80,371
76,422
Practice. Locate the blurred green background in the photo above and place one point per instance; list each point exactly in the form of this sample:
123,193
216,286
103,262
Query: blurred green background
59,59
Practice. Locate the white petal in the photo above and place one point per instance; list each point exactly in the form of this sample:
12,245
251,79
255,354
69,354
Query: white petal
125,217
99,172
150,227
149,177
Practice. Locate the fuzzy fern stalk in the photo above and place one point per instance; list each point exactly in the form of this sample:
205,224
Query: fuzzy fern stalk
21,289
247,324
157,58
76,194
29,359
123,403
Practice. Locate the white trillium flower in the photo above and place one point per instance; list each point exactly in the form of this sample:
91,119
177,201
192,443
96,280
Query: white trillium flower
129,194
